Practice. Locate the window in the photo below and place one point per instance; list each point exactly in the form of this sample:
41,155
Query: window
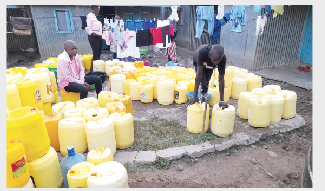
63,21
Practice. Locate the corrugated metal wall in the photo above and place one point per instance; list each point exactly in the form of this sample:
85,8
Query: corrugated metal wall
50,42
19,42
280,43
306,50
240,47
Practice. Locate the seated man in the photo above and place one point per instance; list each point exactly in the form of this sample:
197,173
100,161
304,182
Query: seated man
71,76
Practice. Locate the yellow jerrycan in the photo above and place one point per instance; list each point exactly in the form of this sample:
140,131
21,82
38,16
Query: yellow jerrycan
165,92
253,81
29,184
108,65
113,107
154,81
239,72
82,60
12,96
127,102
45,84
99,65
126,86
53,81
99,155
238,85
248,75
51,123
16,70
139,79
191,85
272,89
232,69
47,106
117,83
17,168
57,98
277,104
78,174
243,104
46,170
74,112
70,96
124,129
146,93
72,133
181,93
259,112
62,107
135,90
106,96
215,96
109,174
26,125
38,70
290,103
96,113
195,114
87,59
229,74
223,120
100,133
260,92
87,103
13,76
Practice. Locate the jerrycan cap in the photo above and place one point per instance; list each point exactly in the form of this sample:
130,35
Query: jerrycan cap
71,151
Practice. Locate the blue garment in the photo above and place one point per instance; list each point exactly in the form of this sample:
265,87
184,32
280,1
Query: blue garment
138,25
239,11
235,26
267,7
149,24
129,24
216,30
118,36
257,8
267,14
222,22
227,16
204,13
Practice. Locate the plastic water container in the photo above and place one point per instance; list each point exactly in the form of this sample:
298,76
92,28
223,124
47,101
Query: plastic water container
26,125
114,70
98,65
38,70
126,86
154,82
260,92
138,64
74,112
62,107
17,70
239,73
195,114
12,96
124,129
109,174
47,106
139,79
106,96
51,123
17,168
229,74
113,107
117,83
46,170
87,59
181,92
248,75
100,155
272,89
68,161
56,96
53,81
165,92
96,113
259,112
72,133
82,60
13,76
78,174
223,120
277,104
243,104
45,85
127,102
100,133
29,184
215,96
290,103
253,81
146,93
238,85
87,103
135,90
108,66
70,96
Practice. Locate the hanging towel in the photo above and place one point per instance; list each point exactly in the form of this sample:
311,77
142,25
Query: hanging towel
83,22
174,15
118,36
257,8
149,24
216,30
239,11
278,9
235,25
204,13
156,35
243,15
267,7
138,25
129,24
142,38
220,12
171,52
272,7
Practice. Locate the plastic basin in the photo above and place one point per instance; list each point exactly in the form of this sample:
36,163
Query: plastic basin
190,94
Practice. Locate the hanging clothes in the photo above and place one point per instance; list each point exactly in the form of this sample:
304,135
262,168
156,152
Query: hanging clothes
174,15
131,50
257,8
239,11
216,30
160,45
220,12
267,14
235,25
149,24
222,22
267,7
204,13
138,25
143,38
171,52
129,24
112,23
156,35
121,25
272,7
278,9
226,17
83,22
107,37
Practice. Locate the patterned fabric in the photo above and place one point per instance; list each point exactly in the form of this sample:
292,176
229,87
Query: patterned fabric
93,25
171,52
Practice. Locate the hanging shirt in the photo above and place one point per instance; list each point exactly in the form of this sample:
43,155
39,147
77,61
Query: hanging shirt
131,50
112,23
138,25
156,35
257,8
216,30
174,15
143,38
272,7
267,7
220,12
129,24
93,25
278,9
173,22
149,24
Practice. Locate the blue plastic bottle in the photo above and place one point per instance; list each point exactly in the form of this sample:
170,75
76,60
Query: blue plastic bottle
68,161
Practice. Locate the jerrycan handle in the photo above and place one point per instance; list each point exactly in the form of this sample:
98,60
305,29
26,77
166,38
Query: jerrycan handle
259,101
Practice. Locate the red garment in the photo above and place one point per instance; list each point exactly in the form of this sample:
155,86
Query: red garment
156,35
171,52
171,30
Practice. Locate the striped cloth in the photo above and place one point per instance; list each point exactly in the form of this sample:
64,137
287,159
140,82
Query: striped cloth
171,52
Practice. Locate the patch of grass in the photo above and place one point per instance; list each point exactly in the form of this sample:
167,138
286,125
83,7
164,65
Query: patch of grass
158,134
138,167
282,184
260,143
233,149
209,156
188,160
162,163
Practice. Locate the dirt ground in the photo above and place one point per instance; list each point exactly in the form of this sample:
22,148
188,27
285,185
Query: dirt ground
281,156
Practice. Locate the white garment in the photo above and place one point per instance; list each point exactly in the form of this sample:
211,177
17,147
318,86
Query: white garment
262,24
106,23
122,25
131,49
112,23
258,24
174,15
220,12
160,45
162,23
